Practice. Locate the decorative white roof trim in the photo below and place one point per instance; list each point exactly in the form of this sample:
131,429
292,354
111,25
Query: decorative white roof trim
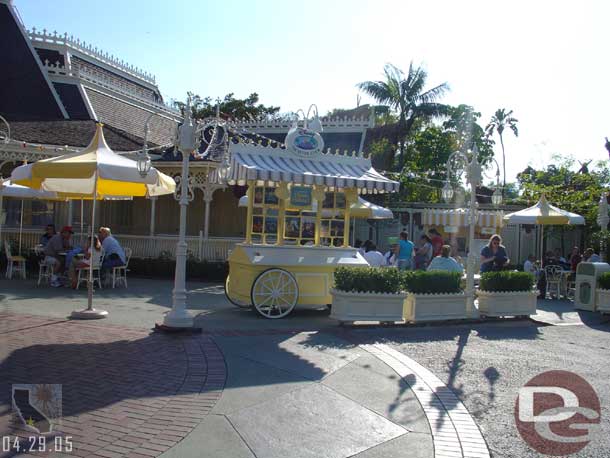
459,217
357,124
60,72
89,50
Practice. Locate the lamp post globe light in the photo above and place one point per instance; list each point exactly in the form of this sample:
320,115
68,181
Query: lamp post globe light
461,160
144,163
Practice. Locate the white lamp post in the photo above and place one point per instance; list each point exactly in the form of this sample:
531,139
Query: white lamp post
178,317
473,170
603,220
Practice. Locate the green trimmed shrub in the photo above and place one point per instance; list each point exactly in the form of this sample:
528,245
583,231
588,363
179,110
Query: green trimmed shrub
380,280
507,281
368,280
432,282
603,281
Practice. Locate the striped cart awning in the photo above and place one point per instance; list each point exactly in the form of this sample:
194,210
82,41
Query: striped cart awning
459,217
267,165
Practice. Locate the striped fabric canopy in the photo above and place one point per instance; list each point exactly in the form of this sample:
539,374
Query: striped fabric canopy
459,217
265,164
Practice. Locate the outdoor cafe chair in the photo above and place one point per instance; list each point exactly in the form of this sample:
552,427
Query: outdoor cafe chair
119,273
45,271
14,264
553,275
84,272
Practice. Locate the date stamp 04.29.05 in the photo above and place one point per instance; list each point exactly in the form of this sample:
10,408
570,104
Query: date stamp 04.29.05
37,411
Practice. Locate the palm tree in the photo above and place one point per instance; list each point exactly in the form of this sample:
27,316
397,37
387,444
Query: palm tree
499,121
407,97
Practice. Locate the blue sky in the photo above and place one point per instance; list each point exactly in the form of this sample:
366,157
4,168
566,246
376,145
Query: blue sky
548,61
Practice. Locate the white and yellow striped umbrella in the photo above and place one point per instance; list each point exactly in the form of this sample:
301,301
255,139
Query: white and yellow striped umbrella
543,213
95,171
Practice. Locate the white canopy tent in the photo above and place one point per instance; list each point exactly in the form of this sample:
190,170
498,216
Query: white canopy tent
543,214
9,189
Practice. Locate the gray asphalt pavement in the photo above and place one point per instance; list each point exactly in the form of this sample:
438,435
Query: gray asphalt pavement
276,366
485,365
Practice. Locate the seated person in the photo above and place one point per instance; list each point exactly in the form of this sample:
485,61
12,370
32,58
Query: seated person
59,243
114,256
493,255
86,261
575,258
374,257
390,256
591,256
48,234
445,262
530,265
550,259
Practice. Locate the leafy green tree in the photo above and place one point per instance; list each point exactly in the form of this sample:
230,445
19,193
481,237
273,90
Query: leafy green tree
230,107
500,121
383,154
463,123
407,96
425,170
566,186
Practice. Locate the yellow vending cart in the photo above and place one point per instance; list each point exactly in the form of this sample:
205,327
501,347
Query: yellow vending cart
299,200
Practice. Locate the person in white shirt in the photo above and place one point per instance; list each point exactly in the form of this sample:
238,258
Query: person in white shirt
114,255
530,265
374,257
591,256
445,262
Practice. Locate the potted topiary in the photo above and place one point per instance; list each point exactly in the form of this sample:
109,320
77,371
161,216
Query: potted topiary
433,296
603,293
367,294
507,293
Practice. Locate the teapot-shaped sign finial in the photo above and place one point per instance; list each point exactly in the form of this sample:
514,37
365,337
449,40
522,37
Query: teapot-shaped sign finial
315,124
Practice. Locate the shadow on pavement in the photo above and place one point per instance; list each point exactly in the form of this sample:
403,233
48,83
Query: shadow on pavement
562,312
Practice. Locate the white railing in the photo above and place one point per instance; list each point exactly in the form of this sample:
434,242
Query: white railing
142,246
41,36
101,79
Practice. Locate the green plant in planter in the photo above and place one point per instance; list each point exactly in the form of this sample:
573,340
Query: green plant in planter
507,281
603,282
433,282
368,280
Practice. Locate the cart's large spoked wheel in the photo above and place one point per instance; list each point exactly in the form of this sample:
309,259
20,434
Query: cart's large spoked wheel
235,302
274,293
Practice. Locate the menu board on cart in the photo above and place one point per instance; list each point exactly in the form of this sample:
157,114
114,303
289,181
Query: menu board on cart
300,197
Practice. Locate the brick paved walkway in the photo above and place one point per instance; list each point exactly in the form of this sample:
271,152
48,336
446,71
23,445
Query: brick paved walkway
126,392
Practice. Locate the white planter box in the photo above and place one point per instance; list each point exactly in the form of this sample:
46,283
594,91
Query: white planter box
435,307
507,303
603,300
355,306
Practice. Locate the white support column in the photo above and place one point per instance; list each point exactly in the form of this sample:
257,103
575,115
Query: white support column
208,196
153,214
70,213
